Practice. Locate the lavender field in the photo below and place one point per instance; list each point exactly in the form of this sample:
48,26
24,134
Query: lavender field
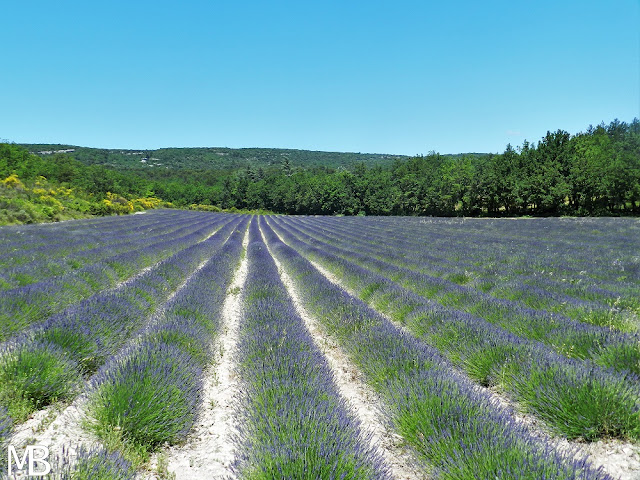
179,344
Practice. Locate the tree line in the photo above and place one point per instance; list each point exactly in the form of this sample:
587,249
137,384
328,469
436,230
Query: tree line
596,172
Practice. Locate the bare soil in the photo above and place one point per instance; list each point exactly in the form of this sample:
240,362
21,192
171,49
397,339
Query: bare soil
208,451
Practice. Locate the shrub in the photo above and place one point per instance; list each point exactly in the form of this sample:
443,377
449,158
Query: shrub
34,375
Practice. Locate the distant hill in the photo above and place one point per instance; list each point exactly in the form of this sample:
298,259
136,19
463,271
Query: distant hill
216,158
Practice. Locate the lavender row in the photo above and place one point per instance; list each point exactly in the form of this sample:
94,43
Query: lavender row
294,424
582,242
518,260
81,250
95,463
604,346
47,362
410,252
390,254
559,268
454,244
17,238
150,393
458,429
23,244
167,231
23,306
580,399
536,291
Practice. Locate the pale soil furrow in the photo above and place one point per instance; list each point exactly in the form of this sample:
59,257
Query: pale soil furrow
208,451
62,434
616,457
362,400
58,427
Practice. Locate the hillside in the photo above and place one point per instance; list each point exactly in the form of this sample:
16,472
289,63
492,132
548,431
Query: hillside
35,189
212,158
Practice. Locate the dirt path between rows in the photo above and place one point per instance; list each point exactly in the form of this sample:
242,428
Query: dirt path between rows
362,400
208,452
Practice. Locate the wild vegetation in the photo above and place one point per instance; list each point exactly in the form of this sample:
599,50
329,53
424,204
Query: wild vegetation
215,158
35,189
592,173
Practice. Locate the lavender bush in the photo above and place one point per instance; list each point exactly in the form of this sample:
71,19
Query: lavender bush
88,333
587,401
150,393
429,405
294,423
23,306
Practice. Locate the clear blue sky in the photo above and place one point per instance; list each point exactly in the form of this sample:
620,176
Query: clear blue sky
396,76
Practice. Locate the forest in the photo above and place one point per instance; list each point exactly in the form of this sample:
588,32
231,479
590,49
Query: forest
591,173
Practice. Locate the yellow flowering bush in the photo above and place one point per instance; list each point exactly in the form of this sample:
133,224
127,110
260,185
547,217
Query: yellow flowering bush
52,202
114,203
146,203
12,181
205,208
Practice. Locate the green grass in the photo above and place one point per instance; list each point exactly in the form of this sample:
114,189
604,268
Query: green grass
607,318
459,278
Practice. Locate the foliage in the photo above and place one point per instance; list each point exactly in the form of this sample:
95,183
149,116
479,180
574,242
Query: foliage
592,173
596,172
35,189
215,158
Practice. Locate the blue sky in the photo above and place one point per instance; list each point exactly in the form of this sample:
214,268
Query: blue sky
403,77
